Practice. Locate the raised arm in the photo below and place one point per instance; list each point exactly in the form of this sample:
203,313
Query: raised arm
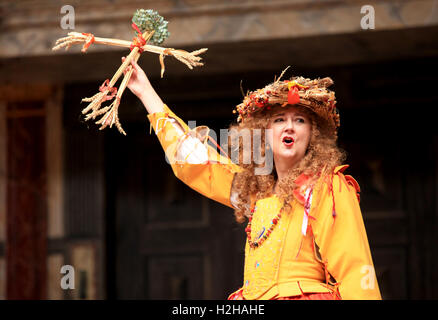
140,86
193,161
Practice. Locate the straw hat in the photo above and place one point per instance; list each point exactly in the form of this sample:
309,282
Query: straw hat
309,93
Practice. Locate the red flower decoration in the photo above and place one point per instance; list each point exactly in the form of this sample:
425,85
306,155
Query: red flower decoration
293,97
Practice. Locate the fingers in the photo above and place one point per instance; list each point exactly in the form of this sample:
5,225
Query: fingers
123,60
133,63
127,68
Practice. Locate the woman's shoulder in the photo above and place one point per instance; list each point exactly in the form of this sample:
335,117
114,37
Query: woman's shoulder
339,179
336,180
333,191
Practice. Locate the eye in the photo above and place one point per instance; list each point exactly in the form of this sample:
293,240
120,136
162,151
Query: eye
278,120
300,120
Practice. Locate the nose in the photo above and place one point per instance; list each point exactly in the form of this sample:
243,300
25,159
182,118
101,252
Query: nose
289,125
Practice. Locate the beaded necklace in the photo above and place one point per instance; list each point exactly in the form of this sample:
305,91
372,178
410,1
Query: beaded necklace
257,243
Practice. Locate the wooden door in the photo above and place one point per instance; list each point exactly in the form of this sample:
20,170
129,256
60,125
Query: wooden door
166,240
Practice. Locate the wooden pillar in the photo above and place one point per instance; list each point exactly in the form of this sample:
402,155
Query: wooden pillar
26,240
3,180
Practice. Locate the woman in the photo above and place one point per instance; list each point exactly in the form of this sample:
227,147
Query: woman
305,235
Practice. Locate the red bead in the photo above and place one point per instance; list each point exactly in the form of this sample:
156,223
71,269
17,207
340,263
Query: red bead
258,243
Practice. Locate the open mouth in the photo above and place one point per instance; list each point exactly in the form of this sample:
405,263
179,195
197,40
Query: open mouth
288,141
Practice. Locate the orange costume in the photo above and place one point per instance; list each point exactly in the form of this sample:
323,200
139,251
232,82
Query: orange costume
319,246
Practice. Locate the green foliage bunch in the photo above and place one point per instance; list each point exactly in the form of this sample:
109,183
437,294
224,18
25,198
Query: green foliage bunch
148,20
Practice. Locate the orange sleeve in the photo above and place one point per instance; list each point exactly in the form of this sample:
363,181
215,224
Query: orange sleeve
212,179
340,234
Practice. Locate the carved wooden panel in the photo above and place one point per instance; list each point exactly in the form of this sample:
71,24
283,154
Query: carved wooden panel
391,270
83,183
84,260
168,200
176,276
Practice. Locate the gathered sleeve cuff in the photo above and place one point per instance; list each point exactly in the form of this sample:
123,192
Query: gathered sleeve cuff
193,161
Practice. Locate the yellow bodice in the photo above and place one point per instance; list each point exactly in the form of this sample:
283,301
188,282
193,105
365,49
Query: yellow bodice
285,264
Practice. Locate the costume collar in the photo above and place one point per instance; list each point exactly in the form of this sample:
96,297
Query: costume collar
301,183
301,186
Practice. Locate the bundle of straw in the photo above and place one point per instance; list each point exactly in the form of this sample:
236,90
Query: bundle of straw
108,91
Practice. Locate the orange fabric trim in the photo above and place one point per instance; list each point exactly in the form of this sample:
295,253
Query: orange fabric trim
352,182
341,169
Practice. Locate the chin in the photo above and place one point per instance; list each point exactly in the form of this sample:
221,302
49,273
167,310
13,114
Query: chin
288,154
288,158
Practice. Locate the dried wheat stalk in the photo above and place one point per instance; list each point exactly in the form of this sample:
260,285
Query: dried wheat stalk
107,90
190,59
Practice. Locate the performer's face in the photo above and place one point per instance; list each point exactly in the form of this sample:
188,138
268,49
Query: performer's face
289,136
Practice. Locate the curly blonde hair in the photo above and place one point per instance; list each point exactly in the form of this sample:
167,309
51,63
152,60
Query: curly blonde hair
321,157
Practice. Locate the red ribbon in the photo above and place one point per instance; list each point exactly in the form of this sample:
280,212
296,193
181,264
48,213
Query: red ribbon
88,41
138,41
112,90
